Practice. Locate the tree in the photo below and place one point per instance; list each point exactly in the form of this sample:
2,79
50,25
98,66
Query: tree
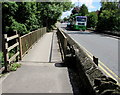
50,12
8,11
83,10
28,16
16,15
92,19
109,17
75,10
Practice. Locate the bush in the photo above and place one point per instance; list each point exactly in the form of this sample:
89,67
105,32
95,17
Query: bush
21,28
1,59
14,66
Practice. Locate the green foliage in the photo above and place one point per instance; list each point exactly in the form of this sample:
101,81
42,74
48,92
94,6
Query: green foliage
9,8
21,28
1,59
28,16
83,10
14,66
92,19
52,11
8,11
75,10
1,56
79,11
109,17
65,19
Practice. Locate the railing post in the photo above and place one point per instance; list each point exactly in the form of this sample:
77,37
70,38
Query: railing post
95,60
17,48
5,52
65,46
20,47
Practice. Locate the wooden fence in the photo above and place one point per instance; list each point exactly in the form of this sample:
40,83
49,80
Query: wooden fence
7,49
21,46
29,39
62,42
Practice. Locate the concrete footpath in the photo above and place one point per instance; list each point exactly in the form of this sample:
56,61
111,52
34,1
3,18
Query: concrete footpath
41,71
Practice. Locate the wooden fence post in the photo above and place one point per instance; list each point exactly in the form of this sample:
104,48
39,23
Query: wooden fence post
20,47
17,48
95,60
65,46
5,52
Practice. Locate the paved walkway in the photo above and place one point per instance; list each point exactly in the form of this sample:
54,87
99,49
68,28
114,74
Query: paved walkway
41,70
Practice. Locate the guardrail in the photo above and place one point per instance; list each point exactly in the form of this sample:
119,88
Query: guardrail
29,39
93,81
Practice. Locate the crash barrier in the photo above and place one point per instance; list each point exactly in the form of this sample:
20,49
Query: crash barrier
91,78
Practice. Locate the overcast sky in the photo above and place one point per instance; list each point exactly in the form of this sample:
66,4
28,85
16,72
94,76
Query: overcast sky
92,5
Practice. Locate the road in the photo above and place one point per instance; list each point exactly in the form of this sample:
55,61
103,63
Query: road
103,47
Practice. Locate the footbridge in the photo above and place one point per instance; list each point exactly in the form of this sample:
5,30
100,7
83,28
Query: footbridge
53,63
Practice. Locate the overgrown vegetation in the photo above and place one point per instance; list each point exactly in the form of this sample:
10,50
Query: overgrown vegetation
14,66
28,16
11,67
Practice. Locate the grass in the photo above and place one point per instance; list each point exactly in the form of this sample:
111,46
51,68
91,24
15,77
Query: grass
14,66
1,59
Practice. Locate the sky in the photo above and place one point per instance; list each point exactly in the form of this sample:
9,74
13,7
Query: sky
92,5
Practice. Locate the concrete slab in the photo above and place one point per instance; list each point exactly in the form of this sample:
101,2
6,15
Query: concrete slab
38,78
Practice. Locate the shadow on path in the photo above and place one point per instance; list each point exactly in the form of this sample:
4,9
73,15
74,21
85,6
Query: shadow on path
73,78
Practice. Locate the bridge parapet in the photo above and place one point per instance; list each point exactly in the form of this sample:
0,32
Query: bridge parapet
94,82
28,40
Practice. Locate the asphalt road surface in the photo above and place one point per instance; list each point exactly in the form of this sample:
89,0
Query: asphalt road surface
103,47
